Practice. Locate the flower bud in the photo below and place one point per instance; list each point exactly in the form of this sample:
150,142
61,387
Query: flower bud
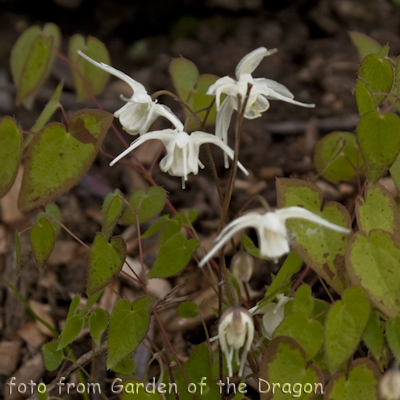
236,327
242,266
389,386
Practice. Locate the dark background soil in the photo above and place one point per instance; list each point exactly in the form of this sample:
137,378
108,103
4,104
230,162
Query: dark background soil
316,61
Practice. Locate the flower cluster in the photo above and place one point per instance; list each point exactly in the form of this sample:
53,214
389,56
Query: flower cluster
236,327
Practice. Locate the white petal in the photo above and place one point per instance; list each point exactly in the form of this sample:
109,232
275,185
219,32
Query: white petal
302,213
136,86
167,113
262,85
276,96
250,62
249,220
271,320
164,136
272,244
133,116
223,121
223,85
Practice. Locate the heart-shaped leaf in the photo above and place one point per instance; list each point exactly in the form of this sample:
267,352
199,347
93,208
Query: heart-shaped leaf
53,214
378,211
336,155
98,322
111,211
284,363
373,261
344,326
56,159
362,382
148,205
94,78
10,153
321,248
31,60
129,324
192,88
42,242
52,356
173,256
105,262
307,332
379,140
377,73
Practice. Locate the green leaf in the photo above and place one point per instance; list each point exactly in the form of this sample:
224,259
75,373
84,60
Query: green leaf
336,155
373,336
56,159
184,75
192,88
188,309
250,247
52,356
18,257
377,211
307,332
364,98
42,242
126,367
156,226
173,256
372,261
52,211
362,382
377,74
94,77
105,262
344,326
303,300
98,323
49,110
320,248
71,331
365,44
111,211
131,319
74,306
197,369
172,227
31,60
93,299
384,51
291,266
379,140
148,205
395,173
393,336
284,363
10,153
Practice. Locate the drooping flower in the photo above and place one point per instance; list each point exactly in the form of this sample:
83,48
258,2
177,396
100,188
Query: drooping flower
182,156
271,230
236,327
261,91
274,313
140,111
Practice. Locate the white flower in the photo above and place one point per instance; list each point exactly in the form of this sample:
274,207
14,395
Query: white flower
274,313
271,231
262,90
236,327
182,156
140,111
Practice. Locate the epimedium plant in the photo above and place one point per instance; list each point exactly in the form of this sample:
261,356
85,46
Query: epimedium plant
299,343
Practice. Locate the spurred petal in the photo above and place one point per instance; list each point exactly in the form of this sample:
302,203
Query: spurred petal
223,121
302,213
260,85
272,244
276,96
223,85
165,136
136,86
250,62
